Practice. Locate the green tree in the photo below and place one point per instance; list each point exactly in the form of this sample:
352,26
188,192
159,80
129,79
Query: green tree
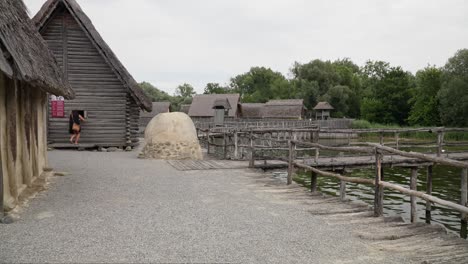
453,95
216,88
154,93
185,90
387,96
338,96
260,84
425,104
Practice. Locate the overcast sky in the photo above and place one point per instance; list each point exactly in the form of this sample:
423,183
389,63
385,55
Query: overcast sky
169,42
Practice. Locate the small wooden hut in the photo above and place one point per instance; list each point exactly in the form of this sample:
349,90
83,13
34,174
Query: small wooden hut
284,109
158,108
28,72
201,108
105,91
322,111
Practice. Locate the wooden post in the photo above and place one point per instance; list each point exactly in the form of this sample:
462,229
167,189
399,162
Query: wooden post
397,139
252,151
290,162
381,138
224,145
2,212
378,202
236,145
464,201
313,182
208,140
414,186
342,191
440,142
429,192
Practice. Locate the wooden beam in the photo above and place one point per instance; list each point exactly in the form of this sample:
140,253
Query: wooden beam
444,161
335,175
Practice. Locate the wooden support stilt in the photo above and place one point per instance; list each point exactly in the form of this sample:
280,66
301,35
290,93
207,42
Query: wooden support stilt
381,138
378,203
252,151
290,162
440,143
236,145
224,145
397,140
342,191
414,187
313,182
464,201
429,192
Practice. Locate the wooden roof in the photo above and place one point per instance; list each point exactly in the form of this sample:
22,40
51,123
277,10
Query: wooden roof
221,103
202,105
290,108
31,61
46,11
185,108
158,108
323,106
252,110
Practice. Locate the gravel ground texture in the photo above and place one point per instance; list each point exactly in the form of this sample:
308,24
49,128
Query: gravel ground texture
116,208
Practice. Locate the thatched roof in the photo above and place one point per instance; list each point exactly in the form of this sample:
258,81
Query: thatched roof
252,110
221,103
46,11
158,108
185,108
291,108
30,61
202,105
323,106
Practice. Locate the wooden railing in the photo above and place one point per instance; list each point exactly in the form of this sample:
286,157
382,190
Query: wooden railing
379,151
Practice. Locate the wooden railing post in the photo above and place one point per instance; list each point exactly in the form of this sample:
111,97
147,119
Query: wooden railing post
208,141
440,142
313,182
429,192
224,145
252,151
290,161
378,202
397,139
342,190
414,187
236,144
464,201
381,138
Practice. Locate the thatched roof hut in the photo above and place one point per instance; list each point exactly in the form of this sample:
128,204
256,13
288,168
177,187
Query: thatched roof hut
105,91
22,46
45,14
323,106
284,109
322,111
252,110
202,105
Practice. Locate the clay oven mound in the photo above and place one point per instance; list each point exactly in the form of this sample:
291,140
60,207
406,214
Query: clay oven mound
171,136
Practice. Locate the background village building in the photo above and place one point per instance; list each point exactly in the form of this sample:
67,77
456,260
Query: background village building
158,108
201,108
28,72
322,111
221,107
252,110
105,92
185,108
284,109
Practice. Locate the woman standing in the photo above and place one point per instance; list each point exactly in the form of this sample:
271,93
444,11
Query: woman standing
75,126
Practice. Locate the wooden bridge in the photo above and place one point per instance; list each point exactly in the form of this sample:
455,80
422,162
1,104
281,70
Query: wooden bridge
299,148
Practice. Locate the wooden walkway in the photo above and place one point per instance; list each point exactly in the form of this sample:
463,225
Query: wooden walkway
187,165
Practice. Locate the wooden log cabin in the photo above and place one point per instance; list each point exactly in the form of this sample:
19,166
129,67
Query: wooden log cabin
105,91
28,72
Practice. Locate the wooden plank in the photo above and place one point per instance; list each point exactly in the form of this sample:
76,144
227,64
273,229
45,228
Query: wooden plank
429,192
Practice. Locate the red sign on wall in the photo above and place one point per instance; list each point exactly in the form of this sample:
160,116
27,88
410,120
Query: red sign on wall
58,107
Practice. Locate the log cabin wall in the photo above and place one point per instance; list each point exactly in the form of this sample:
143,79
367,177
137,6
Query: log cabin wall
112,113
23,145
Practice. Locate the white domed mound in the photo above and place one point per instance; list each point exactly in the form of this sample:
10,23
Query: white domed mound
171,136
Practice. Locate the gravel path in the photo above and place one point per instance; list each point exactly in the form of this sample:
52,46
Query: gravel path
117,208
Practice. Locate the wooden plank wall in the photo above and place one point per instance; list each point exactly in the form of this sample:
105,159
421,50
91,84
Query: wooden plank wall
112,114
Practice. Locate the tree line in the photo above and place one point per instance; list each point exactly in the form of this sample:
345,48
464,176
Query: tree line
377,91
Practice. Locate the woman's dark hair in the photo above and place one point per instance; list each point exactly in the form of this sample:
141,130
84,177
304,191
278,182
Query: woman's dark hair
76,116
